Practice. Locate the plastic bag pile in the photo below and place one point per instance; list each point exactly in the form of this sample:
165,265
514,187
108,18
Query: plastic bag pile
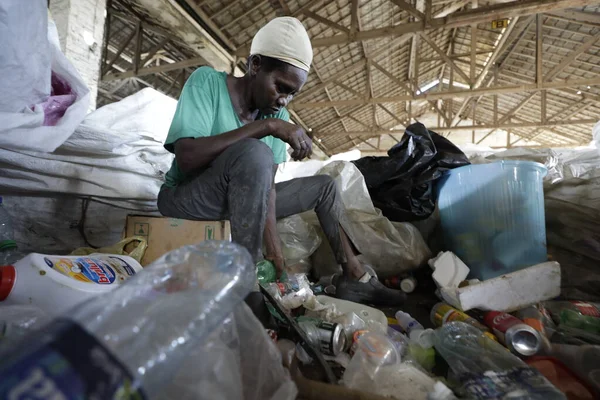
401,185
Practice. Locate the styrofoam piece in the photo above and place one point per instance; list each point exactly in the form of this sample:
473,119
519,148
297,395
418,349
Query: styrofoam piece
449,270
508,292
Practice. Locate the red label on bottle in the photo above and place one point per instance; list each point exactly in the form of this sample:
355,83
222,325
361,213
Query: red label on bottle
500,322
586,308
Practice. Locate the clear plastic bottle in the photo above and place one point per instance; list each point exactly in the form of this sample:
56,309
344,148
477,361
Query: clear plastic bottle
486,370
415,331
8,246
132,339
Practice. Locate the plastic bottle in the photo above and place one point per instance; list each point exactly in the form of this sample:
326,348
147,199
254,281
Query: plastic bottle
486,370
265,272
57,283
442,313
8,246
575,314
582,360
408,285
133,339
415,331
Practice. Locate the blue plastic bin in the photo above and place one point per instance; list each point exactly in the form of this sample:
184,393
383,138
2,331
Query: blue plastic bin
492,216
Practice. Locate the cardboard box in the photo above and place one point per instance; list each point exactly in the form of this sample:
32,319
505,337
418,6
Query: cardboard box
165,234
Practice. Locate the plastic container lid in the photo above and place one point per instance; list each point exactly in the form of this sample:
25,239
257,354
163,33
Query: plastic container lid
8,276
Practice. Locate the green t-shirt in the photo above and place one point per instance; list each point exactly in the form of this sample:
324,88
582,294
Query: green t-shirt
204,109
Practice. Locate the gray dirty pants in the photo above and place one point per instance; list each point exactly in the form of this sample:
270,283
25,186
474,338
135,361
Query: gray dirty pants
236,187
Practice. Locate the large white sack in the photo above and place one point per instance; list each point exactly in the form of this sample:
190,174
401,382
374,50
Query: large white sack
117,152
29,53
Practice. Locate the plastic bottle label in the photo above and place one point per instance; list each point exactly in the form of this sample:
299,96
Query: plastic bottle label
587,309
523,381
92,269
70,365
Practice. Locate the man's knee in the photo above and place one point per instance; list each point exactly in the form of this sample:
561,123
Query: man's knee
255,155
327,184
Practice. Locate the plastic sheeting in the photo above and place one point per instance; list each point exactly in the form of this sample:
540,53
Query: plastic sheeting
401,185
238,361
390,249
572,202
33,117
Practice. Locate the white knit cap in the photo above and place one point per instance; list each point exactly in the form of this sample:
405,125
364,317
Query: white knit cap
285,39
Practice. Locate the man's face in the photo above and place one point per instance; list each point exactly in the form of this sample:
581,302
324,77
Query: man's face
274,89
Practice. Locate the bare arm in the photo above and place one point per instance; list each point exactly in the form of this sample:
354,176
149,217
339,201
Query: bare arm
192,154
270,237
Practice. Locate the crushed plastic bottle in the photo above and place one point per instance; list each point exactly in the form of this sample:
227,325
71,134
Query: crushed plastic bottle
265,272
486,370
128,343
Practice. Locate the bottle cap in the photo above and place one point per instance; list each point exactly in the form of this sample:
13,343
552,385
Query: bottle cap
408,285
8,276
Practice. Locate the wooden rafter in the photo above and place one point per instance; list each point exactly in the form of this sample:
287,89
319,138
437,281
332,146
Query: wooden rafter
447,94
444,57
409,9
517,125
455,20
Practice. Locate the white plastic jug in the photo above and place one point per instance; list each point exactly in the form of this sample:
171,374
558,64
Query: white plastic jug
57,283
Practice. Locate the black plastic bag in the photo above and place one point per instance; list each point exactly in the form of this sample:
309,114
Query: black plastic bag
401,185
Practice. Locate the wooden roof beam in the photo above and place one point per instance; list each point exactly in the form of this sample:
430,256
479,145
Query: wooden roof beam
508,89
454,20
484,127
569,58
326,21
403,5
155,70
442,54
208,21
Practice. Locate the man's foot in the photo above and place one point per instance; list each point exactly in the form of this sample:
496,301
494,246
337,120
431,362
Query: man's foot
371,292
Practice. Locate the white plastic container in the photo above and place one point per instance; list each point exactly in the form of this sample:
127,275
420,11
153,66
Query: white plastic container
57,283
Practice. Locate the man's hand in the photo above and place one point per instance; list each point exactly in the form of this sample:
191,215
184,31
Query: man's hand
295,136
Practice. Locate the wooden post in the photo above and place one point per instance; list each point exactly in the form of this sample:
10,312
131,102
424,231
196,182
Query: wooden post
138,47
473,118
495,96
473,70
104,60
538,51
543,106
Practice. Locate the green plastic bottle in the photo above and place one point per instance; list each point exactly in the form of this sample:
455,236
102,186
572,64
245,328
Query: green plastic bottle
576,314
265,272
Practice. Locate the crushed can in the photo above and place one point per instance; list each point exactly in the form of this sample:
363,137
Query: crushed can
328,337
520,338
